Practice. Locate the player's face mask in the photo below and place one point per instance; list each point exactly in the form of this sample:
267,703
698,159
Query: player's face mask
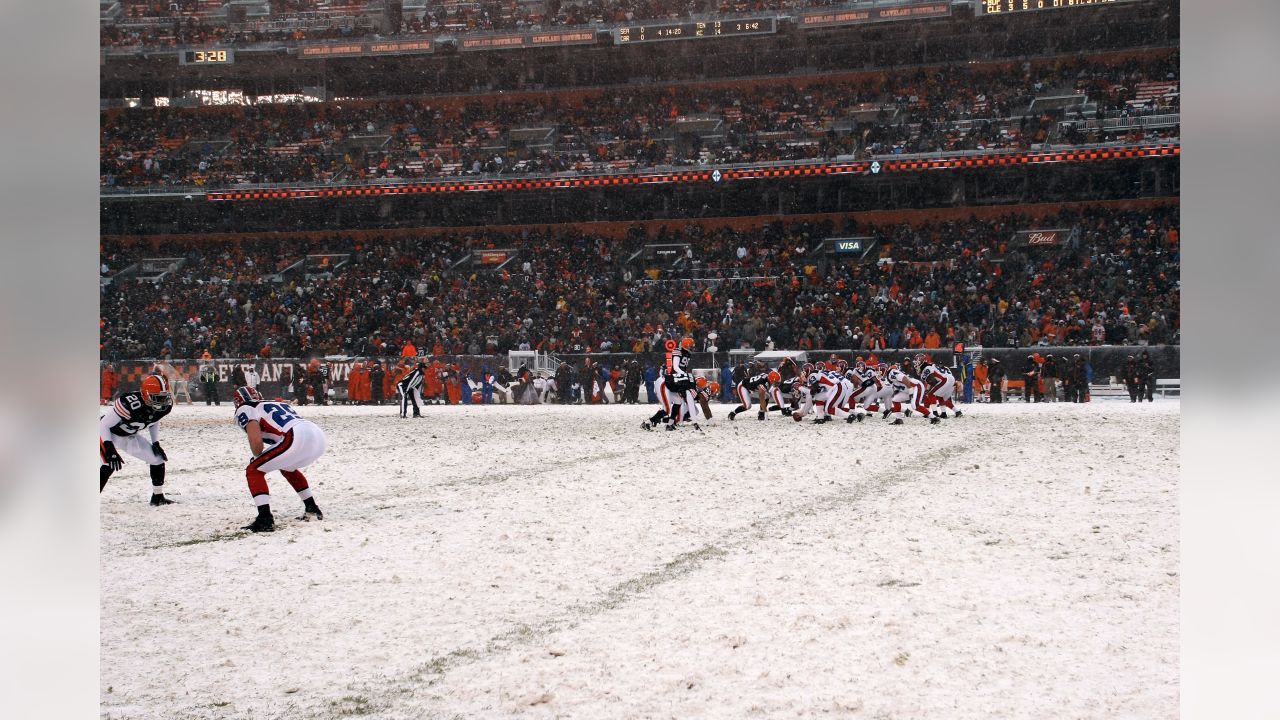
160,400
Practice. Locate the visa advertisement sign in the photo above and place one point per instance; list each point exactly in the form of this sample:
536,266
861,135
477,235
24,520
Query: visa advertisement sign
846,247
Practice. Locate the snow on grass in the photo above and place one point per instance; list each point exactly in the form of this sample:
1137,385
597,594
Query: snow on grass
494,562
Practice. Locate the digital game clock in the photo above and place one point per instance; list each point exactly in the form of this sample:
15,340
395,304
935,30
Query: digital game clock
220,56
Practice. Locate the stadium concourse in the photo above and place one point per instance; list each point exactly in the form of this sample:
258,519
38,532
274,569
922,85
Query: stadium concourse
500,561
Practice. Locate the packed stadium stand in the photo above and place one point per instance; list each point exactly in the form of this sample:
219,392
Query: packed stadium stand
287,200
928,285
1059,102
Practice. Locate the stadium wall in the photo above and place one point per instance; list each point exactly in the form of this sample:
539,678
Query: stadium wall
914,217
277,373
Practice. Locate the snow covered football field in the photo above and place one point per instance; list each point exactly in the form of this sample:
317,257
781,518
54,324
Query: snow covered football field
559,562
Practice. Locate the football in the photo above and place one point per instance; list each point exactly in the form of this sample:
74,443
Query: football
797,416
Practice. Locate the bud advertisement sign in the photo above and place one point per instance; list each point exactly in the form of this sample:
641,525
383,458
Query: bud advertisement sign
1033,238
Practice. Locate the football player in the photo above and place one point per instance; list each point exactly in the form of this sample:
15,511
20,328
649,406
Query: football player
907,390
681,383
120,428
782,395
757,382
940,385
826,393
279,440
664,400
867,388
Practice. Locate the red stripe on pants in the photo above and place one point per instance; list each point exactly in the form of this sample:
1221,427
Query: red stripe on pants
274,452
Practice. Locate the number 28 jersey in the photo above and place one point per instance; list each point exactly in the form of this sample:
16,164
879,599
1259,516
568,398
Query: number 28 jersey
275,419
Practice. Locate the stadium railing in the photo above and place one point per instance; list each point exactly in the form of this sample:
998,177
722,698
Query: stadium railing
878,161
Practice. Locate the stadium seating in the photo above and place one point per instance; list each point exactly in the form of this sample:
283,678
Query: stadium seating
963,279
870,114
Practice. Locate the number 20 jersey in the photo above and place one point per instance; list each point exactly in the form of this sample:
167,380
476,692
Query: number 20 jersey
275,419
132,416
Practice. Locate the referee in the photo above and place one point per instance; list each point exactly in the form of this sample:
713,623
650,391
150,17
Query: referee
409,388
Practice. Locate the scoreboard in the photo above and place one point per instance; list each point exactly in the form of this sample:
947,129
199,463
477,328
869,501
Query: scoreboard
1003,7
655,32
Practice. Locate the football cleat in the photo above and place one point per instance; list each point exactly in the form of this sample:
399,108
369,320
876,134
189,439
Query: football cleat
760,415
262,523
934,421
646,426
160,499
311,513
896,421
671,427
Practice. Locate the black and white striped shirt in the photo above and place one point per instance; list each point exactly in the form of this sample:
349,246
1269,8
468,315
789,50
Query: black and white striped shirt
412,381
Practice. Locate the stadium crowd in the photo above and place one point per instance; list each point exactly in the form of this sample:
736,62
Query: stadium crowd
170,23
934,284
904,111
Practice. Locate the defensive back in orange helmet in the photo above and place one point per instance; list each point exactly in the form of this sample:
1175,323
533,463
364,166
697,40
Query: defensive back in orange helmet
155,392
686,343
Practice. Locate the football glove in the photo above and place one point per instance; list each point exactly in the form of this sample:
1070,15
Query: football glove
113,459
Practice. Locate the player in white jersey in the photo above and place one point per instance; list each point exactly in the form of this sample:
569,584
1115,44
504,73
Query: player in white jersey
940,386
907,390
825,396
863,387
120,428
280,440
882,398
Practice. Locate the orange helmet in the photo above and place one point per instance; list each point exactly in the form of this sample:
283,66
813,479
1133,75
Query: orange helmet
701,382
774,377
686,343
715,388
155,392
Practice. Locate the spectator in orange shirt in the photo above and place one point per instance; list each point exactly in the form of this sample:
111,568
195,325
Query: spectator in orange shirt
409,350
932,341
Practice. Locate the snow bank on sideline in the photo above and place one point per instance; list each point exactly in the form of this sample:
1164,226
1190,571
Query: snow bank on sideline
538,562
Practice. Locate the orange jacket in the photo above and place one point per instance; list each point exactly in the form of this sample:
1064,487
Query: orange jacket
432,380
109,383
356,380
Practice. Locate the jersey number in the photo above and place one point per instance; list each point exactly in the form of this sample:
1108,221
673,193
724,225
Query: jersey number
280,413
